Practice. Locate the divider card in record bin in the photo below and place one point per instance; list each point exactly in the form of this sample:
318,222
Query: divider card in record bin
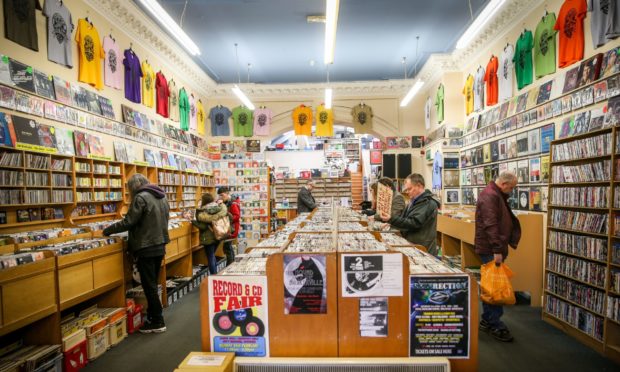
439,316
367,275
238,315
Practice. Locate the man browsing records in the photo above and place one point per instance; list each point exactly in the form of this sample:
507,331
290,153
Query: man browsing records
496,229
305,200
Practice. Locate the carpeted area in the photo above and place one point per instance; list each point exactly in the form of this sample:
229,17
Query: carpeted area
537,347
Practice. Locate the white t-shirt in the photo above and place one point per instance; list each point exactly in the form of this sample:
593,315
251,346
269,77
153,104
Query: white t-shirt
262,121
479,89
427,112
437,167
505,73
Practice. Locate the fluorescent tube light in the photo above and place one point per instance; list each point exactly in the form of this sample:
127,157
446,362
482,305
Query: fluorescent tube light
485,16
328,98
173,28
331,23
239,93
412,92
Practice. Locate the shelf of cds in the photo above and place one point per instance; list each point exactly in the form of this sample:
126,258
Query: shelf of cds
354,296
286,190
582,271
250,181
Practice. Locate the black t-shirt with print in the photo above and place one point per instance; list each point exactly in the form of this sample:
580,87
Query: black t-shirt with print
20,23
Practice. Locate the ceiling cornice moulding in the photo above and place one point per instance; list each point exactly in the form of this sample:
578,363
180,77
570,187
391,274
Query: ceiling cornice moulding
127,16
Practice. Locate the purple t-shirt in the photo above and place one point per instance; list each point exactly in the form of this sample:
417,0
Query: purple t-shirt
133,73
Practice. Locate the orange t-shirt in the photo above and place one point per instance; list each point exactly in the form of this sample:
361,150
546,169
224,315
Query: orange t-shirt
570,27
302,120
490,77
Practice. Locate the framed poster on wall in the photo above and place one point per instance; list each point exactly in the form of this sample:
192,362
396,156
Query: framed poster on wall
376,157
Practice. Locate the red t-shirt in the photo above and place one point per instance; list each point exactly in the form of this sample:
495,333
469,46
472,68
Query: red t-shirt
570,27
161,87
490,77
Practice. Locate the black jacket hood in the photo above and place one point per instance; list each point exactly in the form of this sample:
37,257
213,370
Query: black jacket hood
154,190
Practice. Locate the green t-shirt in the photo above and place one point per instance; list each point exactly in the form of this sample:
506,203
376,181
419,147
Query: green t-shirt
523,59
184,109
243,121
439,103
544,46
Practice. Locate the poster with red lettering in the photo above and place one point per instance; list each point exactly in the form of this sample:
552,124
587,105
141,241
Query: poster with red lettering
305,284
238,315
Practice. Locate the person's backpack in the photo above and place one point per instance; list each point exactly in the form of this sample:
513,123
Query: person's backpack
221,228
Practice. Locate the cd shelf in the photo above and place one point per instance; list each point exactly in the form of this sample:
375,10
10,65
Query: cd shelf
580,248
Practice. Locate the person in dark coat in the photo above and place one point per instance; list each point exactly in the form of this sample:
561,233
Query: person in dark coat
234,211
305,200
398,200
496,229
209,211
418,221
147,224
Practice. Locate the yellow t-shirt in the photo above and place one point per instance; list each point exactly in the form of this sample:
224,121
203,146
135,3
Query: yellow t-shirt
200,117
302,120
90,54
468,92
148,85
324,122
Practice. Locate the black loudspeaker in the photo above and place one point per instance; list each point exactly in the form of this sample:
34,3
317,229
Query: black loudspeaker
404,165
389,165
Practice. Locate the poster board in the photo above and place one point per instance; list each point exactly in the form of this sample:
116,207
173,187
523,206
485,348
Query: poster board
384,199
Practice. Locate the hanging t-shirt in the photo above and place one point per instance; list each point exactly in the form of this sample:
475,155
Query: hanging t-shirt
59,29
184,109
90,54
437,167
505,73
112,71
133,73
262,121
490,78
523,59
219,116
242,121
362,118
544,46
601,20
200,117
439,103
428,106
324,122
173,102
613,22
148,84
302,120
468,92
192,112
20,23
479,89
570,26
163,94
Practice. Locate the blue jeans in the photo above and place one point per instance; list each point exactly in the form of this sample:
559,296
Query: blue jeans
492,314
210,250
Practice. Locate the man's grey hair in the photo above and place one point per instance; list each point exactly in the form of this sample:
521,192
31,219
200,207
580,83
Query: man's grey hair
507,177
135,182
416,179
311,182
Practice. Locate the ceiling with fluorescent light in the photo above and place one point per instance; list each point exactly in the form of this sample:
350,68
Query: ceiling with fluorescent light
274,36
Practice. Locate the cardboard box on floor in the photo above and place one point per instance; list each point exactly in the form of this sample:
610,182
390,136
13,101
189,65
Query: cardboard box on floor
208,362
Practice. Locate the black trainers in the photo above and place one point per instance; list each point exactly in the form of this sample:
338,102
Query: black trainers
149,327
485,326
502,335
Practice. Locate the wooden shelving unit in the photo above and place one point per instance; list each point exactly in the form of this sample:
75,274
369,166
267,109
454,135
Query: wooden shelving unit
578,282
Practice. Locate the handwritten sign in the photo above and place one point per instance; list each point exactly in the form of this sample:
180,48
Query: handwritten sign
384,199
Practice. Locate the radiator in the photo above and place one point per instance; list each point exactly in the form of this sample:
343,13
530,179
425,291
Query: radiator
342,364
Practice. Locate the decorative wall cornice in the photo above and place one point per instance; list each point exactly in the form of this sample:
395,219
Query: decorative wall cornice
128,17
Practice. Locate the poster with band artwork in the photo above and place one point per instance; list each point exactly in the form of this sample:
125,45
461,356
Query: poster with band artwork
238,315
305,284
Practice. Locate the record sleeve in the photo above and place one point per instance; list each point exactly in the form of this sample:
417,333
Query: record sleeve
81,143
93,102
522,144
62,90
22,102
568,127
120,152
64,141
95,145
21,75
5,70
25,130
7,97
131,152
47,136
524,198
582,122
611,62
571,80
544,93
78,96
44,85
547,134
7,132
149,157
523,171
535,176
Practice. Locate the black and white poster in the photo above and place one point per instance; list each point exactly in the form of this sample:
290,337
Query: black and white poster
439,316
373,317
365,275
21,75
305,284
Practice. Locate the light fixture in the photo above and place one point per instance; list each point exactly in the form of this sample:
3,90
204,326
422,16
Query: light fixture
328,98
173,28
239,93
331,23
482,19
412,92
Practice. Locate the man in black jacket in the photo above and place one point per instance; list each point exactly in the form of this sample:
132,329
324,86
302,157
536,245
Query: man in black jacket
418,221
305,200
147,224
